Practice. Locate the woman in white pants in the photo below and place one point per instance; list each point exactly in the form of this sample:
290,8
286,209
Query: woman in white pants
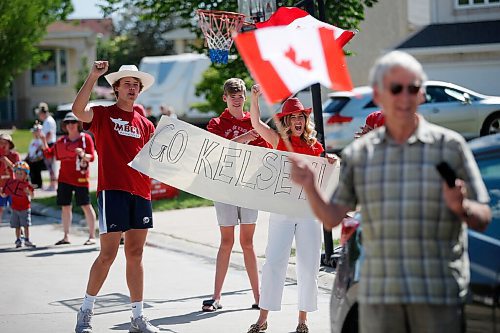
295,122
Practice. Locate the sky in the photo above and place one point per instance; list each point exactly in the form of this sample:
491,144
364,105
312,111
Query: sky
86,9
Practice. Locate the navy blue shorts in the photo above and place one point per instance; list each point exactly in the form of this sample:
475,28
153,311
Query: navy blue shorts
65,195
122,211
4,202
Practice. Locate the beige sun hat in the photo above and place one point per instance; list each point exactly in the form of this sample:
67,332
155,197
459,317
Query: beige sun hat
7,137
131,71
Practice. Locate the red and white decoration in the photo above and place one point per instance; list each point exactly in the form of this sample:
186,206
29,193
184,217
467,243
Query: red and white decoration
285,59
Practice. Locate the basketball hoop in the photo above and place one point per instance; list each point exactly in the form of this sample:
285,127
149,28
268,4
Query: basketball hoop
217,27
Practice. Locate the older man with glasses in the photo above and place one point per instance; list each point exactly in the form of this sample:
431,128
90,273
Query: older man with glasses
416,269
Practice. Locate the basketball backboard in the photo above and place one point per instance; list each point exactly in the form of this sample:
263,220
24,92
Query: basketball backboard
257,10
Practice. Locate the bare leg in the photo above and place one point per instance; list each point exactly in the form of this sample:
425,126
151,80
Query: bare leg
262,316
223,256
26,232
66,217
134,246
99,271
302,317
246,240
18,233
89,213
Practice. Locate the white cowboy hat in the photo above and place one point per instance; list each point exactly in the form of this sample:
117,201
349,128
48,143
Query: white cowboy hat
131,70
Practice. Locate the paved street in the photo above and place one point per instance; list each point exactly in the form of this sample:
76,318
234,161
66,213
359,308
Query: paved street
42,288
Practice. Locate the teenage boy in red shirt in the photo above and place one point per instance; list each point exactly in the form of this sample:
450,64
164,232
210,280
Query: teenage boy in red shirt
124,195
235,124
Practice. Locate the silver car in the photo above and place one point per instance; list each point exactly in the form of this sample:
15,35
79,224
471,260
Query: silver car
460,109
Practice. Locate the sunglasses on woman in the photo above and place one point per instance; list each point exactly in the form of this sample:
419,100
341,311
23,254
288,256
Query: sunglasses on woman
70,121
397,88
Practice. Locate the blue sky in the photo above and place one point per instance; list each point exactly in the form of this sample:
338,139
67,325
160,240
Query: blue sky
86,9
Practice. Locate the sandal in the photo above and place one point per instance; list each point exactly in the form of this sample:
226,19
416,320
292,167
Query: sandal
255,306
62,242
302,328
90,241
211,305
256,328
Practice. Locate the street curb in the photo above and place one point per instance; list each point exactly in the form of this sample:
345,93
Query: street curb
208,252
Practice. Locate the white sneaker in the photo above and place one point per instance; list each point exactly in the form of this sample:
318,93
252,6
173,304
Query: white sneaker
142,325
83,319
28,243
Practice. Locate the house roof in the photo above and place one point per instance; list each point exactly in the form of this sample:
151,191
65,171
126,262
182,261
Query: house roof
98,26
454,34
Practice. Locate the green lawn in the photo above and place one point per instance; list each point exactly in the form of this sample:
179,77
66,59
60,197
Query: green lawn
22,140
183,200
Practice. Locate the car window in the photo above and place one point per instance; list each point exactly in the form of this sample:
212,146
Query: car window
335,104
489,167
370,104
436,94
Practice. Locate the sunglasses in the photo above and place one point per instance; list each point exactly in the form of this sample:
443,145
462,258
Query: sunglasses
71,122
397,88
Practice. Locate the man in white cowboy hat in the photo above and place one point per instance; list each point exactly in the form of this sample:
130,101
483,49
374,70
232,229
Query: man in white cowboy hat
124,195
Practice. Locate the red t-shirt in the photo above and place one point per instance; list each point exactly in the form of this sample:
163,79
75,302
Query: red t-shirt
16,189
299,146
119,136
73,171
375,119
7,173
229,127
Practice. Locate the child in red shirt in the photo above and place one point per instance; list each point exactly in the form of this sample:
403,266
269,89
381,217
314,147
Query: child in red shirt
21,193
235,124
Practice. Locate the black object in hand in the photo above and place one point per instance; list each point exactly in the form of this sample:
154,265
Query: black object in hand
447,173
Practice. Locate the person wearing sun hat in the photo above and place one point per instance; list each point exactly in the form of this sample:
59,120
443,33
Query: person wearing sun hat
75,151
8,156
124,194
296,133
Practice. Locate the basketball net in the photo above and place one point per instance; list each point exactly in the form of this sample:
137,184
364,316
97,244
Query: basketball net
217,27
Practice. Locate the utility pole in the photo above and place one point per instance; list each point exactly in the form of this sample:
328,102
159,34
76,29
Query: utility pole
318,112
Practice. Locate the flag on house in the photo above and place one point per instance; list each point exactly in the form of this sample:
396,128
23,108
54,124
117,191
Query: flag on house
285,59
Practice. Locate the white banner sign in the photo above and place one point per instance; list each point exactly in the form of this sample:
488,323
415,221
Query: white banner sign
204,164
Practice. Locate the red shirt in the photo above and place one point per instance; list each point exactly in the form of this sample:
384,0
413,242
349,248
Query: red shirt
229,127
299,146
375,119
73,170
6,172
16,189
119,136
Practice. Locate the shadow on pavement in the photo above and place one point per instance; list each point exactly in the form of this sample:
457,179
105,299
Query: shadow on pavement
109,303
74,251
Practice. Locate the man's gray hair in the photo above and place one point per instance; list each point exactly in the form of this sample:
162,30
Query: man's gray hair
395,59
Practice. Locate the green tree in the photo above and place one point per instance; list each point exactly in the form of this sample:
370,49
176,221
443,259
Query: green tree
346,14
23,24
135,37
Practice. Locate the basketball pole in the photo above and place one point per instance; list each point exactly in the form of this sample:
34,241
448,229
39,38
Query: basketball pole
318,111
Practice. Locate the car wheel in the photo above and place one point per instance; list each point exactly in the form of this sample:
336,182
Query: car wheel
491,124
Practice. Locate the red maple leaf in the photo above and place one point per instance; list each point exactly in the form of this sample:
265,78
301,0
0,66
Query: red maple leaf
290,54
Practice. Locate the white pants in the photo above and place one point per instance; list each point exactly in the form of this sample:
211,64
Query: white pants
307,234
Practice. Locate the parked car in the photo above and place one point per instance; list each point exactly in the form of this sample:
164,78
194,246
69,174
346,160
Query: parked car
460,109
482,310
63,109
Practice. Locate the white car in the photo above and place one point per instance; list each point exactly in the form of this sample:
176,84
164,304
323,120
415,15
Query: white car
63,109
460,109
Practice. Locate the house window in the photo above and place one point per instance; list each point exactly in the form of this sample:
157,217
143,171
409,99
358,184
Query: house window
53,71
476,3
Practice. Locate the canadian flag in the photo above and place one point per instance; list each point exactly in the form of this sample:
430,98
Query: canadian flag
288,58
296,17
